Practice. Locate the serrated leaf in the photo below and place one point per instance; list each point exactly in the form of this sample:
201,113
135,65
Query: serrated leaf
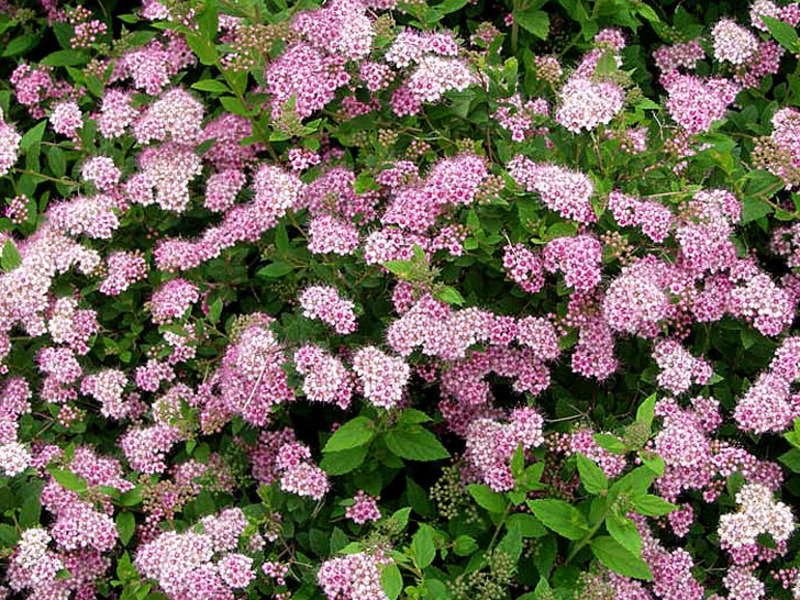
592,476
211,85
624,531
561,517
423,546
610,442
215,310
65,58
534,21
487,498
529,526
126,525
415,443
275,270
464,545
391,581
614,556
652,506
10,258
356,432
784,34
646,411
449,295
69,480
339,463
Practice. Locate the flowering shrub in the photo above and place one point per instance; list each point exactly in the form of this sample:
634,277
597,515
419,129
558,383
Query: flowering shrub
379,299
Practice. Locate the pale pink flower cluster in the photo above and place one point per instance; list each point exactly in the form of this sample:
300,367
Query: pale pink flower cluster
585,104
123,270
382,377
298,474
732,42
567,192
579,258
678,368
324,303
116,113
653,218
328,234
517,117
102,171
353,577
251,379
523,267
695,103
491,444
341,28
200,566
172,299
92,216
758,513
363,509
66,118
107,387
769,404
325,377
9,145
146,447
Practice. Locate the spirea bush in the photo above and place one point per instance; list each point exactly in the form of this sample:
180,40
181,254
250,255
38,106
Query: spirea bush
379,299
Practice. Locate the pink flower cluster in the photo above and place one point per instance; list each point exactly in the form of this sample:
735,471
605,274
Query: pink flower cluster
298,474
353,577
490,445
381,377
202,566
363,509
653,218
325,377
324,303
769,404
562,190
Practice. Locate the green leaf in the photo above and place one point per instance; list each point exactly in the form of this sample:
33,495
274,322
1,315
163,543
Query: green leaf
423,546
783,33
65,58
57,161
126,525
610,442
20,45
561,517
534,21
791,459
614,556
415,443
464,545
401,268
339,463
275,270
215,310
69,480
646,411
624,531
592,476
234,105
529,526
754,208
412,415
10,258
487,498
205,50
8,535
211,85
652,506
356,432
208,19
391,581
511,544
32,136
449,295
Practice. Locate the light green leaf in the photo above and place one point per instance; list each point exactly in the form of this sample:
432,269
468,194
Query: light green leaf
423,546
561,517
592,476
356,432
415,443
614,556
487,498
